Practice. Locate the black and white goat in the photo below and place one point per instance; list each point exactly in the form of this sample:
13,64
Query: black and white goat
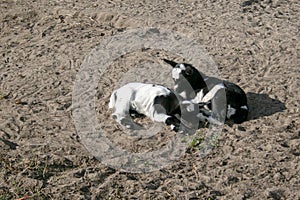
157,102
218,99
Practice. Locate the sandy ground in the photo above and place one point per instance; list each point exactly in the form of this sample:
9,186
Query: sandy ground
254,43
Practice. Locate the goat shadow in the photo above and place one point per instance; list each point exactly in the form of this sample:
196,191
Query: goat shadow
261,105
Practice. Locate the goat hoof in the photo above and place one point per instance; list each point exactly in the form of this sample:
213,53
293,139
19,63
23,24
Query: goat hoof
127,123
174,128
174,123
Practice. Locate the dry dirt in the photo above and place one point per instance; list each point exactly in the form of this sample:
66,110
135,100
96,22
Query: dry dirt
43,43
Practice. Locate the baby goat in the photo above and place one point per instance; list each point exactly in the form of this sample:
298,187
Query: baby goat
225,100
158,103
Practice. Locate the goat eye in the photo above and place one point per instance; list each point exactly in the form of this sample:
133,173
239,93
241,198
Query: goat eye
188,71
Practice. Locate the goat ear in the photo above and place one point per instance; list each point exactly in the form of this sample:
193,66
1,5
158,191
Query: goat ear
172,63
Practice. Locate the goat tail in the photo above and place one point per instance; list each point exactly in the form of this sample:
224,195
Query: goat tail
112,100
